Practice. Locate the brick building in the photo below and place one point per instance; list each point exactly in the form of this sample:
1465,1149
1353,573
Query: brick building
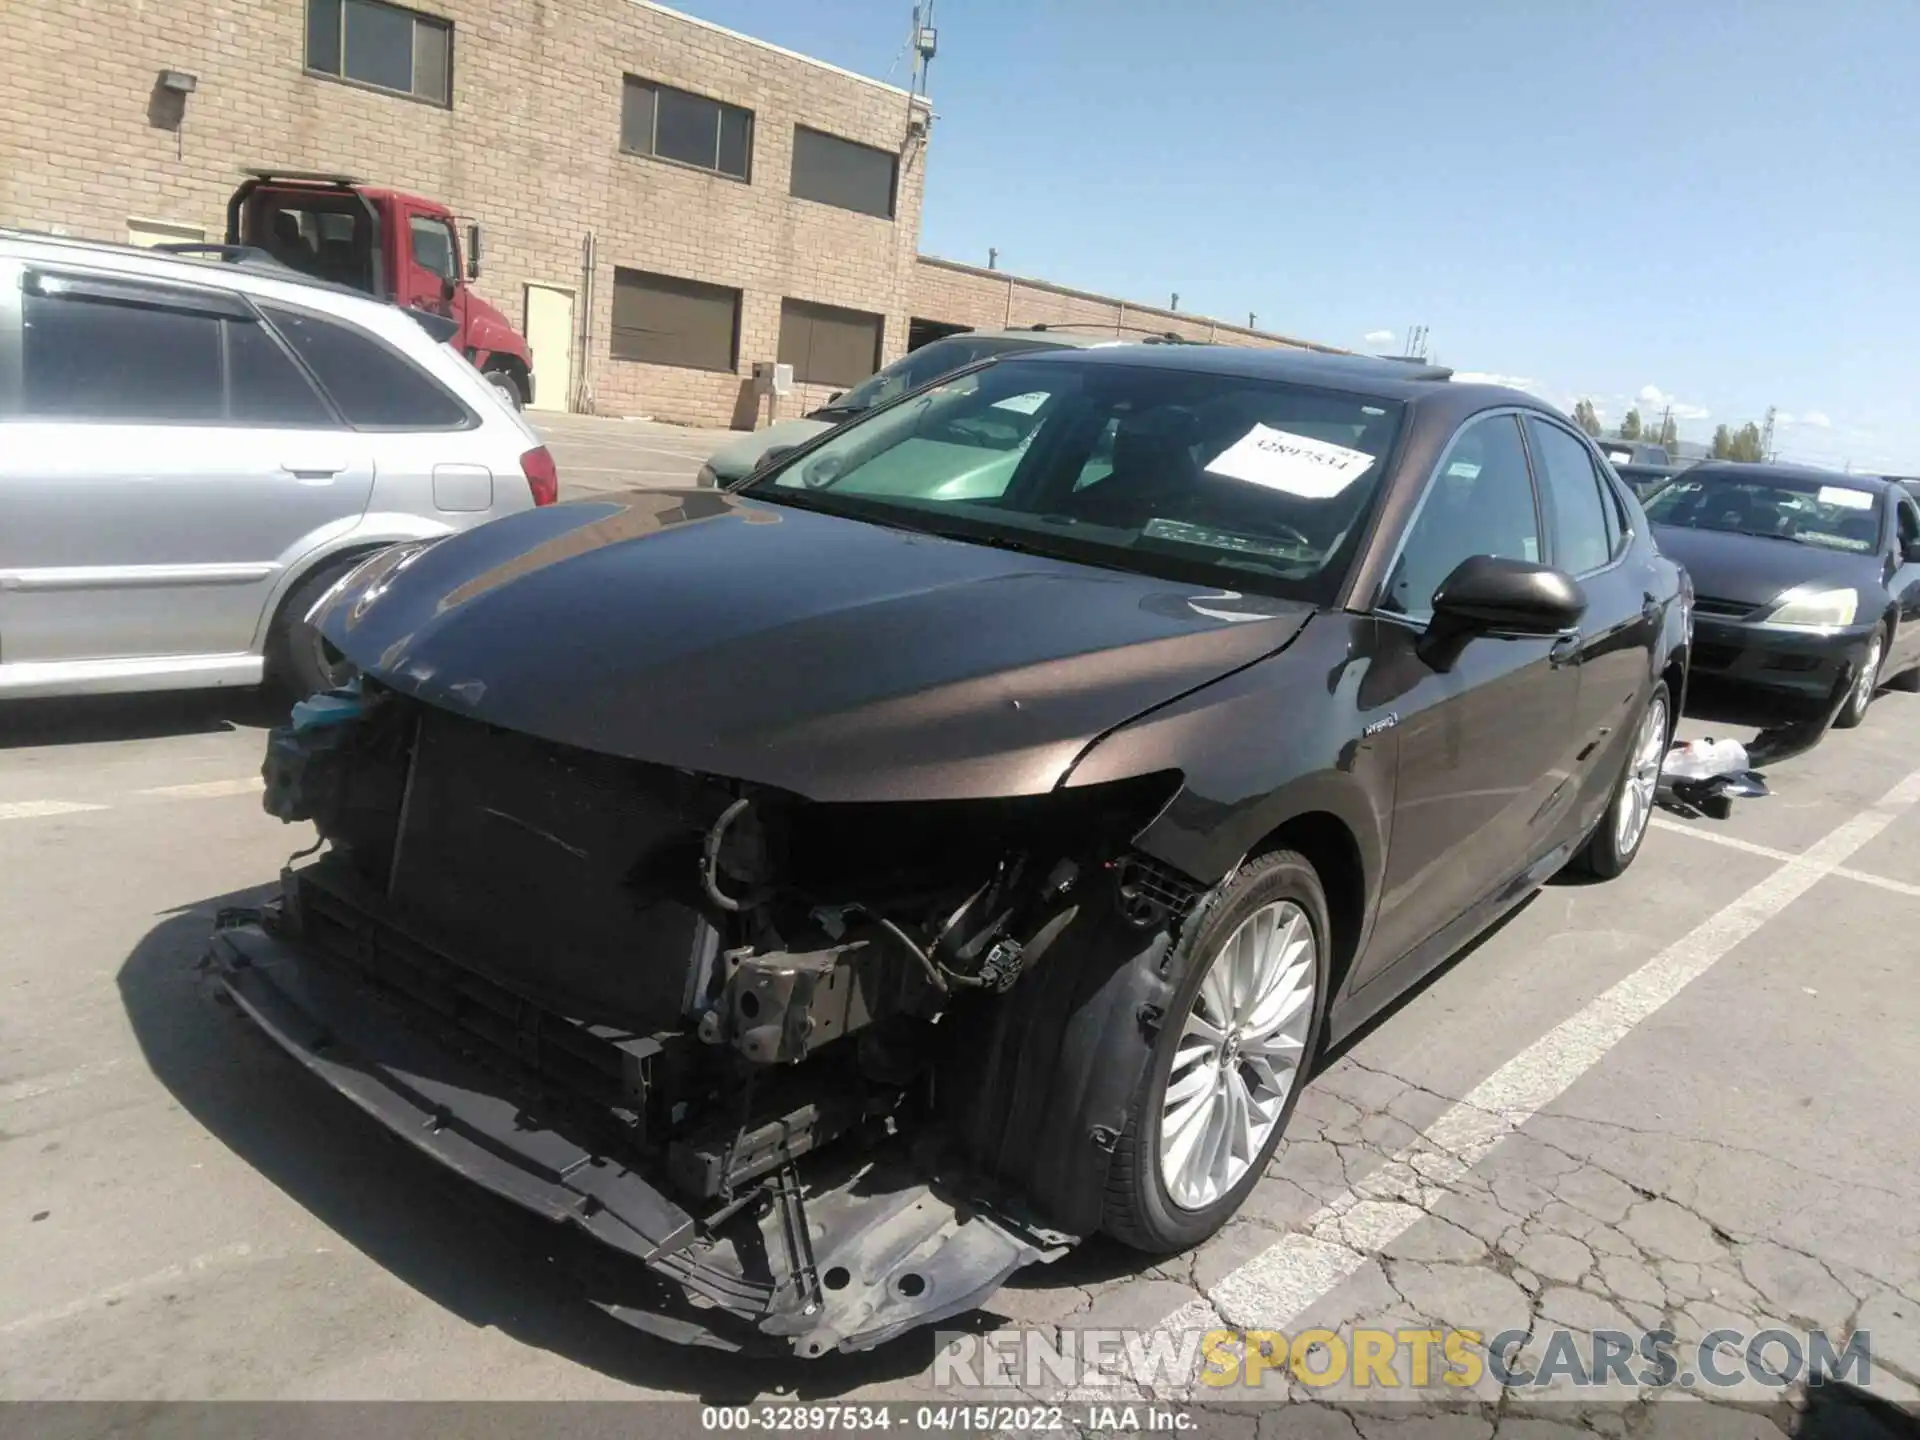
664,202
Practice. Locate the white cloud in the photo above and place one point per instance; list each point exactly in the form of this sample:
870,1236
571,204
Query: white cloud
1811,419
1379,337
1482,377
1653,398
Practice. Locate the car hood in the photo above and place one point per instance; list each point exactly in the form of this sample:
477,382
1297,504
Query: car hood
1749,570
735,460
833,658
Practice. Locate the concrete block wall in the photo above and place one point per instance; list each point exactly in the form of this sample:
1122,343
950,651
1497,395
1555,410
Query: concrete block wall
530,148
981,299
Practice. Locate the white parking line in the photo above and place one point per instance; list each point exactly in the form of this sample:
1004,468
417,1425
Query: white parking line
35,809
1733,842
1272,1289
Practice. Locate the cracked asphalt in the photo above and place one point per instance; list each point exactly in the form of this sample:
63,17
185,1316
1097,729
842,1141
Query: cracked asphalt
1683,1101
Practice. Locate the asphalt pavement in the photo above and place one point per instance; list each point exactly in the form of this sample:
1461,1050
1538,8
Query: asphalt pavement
1680,1100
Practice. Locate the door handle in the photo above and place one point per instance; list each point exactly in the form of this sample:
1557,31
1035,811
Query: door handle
313,470
1566,650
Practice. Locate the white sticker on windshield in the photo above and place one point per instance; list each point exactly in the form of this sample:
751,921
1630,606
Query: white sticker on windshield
1846,499
1463,470
1296,464
1620,457
1024,404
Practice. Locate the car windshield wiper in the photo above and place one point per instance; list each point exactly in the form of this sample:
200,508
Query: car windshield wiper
836,412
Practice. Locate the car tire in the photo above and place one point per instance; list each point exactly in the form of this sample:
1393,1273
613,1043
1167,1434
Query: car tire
1277,899
1629,814
1860,694
299,659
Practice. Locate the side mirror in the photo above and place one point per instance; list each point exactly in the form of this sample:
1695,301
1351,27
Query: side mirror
834,398
473,252
1486,595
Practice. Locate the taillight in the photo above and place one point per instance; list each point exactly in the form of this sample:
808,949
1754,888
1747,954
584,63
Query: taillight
542,479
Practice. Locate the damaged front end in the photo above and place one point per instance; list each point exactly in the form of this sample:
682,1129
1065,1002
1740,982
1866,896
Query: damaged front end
834,1070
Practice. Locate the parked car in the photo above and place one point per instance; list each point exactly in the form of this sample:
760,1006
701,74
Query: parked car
192,451
1251,687
1646,480
1807,581
738,459
1634,452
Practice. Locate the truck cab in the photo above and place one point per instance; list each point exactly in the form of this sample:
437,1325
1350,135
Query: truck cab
390,245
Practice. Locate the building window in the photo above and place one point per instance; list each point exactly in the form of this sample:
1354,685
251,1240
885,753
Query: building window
675,125
383,46
665,320
839,172
827,345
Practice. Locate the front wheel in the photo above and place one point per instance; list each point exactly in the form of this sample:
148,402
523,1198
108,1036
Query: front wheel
1864,684
1228,1064
1611,847
507,384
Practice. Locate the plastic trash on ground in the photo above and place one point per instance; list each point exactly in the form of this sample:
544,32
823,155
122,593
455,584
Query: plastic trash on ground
1704,759
1707,776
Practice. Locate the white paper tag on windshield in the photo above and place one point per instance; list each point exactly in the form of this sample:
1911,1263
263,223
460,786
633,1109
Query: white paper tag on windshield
1296,464
1620,457
1025,404
1846,499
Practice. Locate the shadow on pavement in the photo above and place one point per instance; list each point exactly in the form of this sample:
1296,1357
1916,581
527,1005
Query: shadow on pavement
1783,731
89,720
479,1258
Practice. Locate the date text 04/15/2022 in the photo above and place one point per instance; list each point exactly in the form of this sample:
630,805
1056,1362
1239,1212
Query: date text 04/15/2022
976,1419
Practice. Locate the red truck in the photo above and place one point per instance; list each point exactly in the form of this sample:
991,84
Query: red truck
389,244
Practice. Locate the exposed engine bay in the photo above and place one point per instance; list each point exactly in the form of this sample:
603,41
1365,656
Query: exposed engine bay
833,1070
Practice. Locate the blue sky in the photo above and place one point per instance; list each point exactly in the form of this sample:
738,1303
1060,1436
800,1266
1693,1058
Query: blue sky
1713,204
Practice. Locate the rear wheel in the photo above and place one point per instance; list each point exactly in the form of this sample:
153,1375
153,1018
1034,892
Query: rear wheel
1229,1062
298,656
1611,847
1864,684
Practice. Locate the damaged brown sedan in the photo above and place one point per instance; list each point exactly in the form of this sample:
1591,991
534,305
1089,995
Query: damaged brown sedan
842,890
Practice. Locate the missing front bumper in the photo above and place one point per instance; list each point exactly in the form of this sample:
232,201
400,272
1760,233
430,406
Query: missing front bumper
886,1242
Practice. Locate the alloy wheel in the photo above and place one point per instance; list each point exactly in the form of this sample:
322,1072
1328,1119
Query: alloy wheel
1240,1054
1643,779
1869,680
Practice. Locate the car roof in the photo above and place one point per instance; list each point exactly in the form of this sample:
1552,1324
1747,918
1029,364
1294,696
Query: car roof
1760,470
1067,337
1390,379
210,266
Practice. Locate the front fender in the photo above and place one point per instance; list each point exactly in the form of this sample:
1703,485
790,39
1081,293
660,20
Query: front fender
1282,739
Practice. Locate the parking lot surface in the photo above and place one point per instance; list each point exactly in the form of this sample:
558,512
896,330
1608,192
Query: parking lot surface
597,455
1680,1100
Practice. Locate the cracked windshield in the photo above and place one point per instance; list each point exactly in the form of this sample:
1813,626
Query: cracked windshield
959,717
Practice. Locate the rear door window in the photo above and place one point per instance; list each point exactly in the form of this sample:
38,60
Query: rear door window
268,388
375,387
